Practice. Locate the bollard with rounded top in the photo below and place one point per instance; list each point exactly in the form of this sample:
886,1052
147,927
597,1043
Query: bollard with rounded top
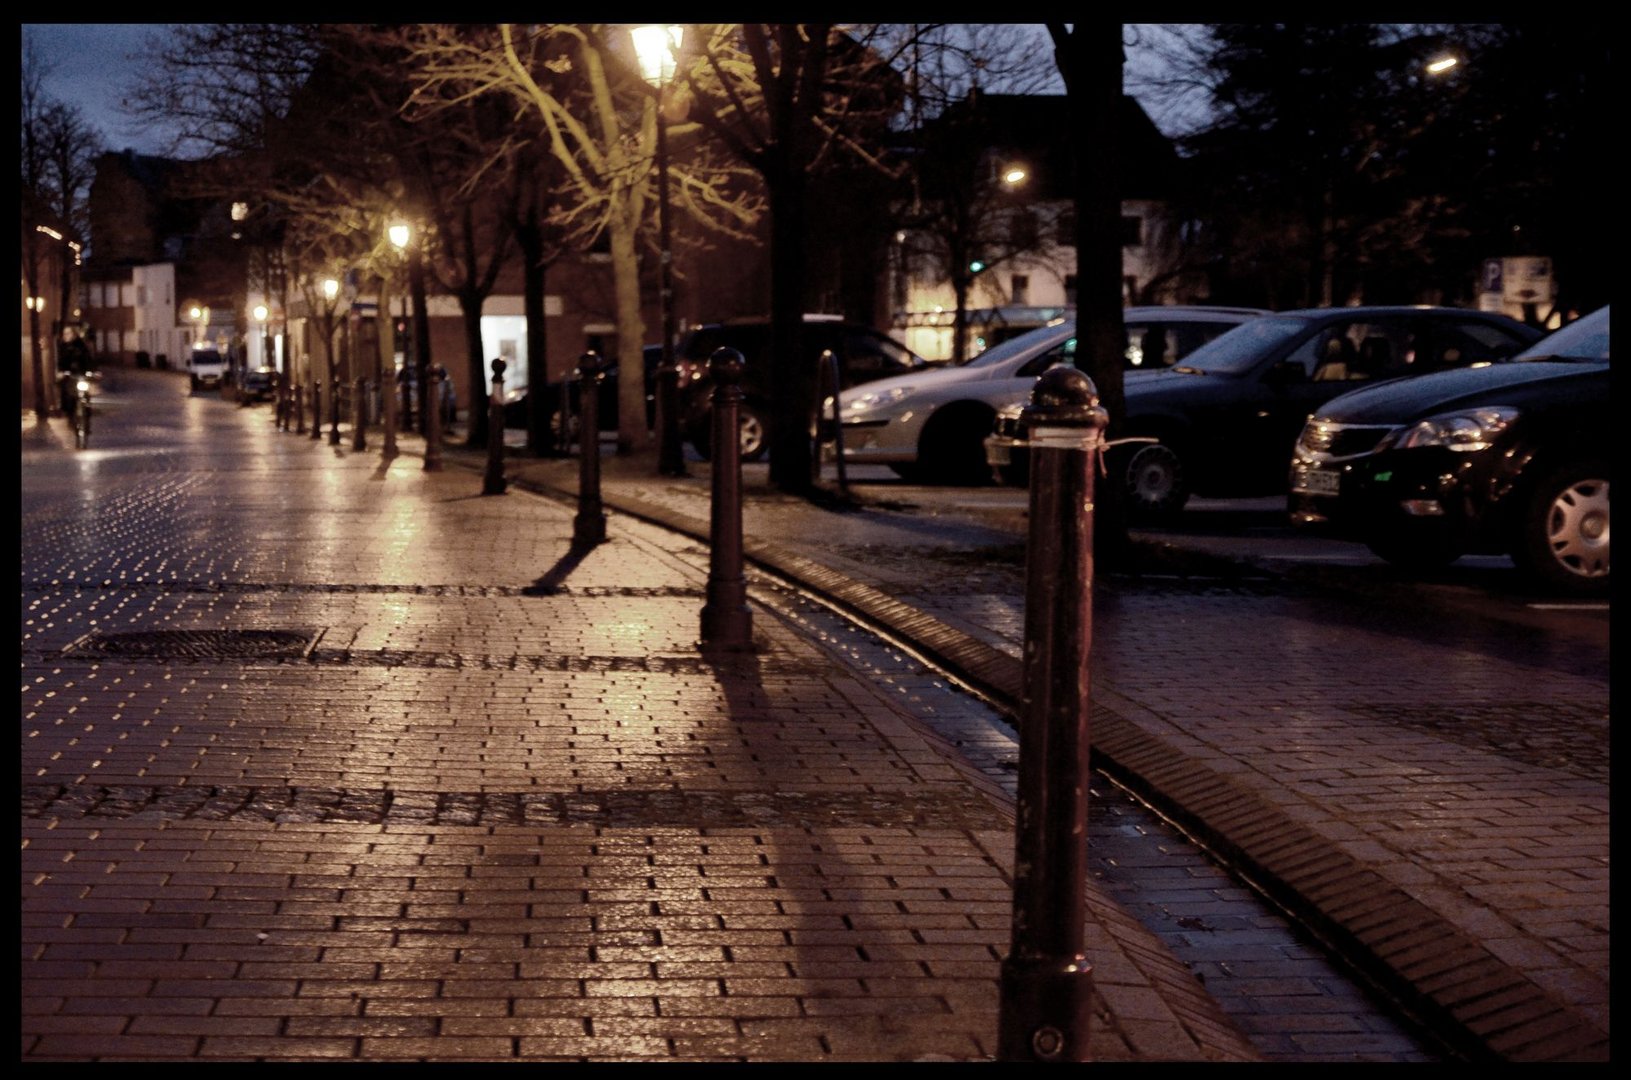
589,527
726,621
1046,986
388,422
359,415
299,409
402,380
433,422
493,482
316,408
334,410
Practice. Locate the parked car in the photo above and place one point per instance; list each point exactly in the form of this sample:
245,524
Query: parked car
932,425
864,355
205,369
259,385
1510,458
1222,423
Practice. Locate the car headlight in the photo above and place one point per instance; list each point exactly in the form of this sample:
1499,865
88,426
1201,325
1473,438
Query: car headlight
1467,430
879,399
83,385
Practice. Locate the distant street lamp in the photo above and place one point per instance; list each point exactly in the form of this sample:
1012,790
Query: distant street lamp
655,46
1442,64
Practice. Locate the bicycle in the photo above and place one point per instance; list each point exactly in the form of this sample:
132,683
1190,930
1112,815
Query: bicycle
82,412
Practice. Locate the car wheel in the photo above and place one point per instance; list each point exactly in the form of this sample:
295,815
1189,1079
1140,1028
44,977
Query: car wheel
750,427
1562,538
952,449
1155,482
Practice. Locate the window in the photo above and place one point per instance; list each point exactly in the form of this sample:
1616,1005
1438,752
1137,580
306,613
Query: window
1070,290
1019,288
1063,353
141,296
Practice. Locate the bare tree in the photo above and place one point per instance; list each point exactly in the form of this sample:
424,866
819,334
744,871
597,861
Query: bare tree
784,98
597,122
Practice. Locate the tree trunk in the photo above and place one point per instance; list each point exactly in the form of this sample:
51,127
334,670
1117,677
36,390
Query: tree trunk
534,281
421,329
470,308
793,383
632,433
1090,59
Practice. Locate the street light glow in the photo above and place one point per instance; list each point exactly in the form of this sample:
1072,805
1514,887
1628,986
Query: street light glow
331,288
1442,64
399,236
655,47
1014,175
261,312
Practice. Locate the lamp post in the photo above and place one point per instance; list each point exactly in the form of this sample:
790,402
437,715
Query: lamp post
260,314
655,46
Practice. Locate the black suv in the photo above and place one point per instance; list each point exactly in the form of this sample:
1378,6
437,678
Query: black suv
1223,421
1509,458
863,354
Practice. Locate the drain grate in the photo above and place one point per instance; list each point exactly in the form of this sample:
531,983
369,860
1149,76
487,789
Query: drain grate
199,644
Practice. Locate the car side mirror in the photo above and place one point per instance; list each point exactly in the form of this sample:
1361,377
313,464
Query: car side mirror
1285,373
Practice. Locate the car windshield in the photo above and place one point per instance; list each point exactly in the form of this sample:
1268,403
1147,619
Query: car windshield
1024,344
1238,350
1584,339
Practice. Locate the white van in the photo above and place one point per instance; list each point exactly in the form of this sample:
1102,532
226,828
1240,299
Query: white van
205,368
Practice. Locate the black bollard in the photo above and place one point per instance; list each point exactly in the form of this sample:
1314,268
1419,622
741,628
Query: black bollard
403,379
388,422
726,621
334,411
589,527
300,410
1046,988
433,421
359,414
316,408
493,482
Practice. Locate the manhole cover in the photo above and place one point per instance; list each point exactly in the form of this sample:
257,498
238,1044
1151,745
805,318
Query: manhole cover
191,644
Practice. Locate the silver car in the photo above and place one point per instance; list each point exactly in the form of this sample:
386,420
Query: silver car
932,425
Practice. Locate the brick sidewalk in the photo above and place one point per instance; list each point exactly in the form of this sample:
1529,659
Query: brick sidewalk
1408,821
498,806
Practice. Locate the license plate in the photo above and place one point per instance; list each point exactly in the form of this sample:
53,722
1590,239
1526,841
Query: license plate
1316,482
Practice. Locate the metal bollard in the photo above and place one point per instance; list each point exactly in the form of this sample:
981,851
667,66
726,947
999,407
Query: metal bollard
1046,985
359,417
316,408
388,422
300,410
493,482
403,380
334,411
829,361
589,527
433,423
726,621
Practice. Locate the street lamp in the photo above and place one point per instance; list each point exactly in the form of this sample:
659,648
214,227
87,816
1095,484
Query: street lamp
655,46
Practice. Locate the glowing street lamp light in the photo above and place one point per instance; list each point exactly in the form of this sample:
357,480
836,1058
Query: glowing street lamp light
1442,64
656,47
1014,175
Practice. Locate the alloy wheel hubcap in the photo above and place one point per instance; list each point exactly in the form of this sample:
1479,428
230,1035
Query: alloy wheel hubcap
1577,528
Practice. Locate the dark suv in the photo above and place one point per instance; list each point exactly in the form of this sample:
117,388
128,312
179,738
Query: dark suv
863,354
1513,458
